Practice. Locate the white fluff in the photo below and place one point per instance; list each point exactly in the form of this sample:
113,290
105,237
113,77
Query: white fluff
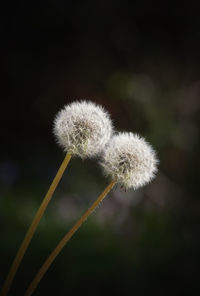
83,128
129,160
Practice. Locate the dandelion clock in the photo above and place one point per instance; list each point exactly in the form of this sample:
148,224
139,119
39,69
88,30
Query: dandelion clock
127,159
81,129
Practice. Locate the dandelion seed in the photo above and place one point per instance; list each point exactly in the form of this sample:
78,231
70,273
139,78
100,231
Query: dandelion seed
129,160
83,128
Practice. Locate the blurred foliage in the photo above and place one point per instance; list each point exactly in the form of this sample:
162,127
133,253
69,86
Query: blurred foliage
141,61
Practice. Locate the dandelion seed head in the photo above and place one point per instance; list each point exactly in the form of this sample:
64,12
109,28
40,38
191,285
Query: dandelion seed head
129,160
83,128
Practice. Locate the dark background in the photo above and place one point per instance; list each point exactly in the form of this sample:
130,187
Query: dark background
141,62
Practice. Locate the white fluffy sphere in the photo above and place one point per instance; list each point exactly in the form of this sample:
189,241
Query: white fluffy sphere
129,160
83,128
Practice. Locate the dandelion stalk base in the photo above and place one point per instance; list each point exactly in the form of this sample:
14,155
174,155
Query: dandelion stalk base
64,241
33,226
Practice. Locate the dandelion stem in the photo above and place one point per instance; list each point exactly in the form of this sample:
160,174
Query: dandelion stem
64,241
33,226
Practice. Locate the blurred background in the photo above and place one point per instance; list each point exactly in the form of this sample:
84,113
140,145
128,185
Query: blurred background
141,61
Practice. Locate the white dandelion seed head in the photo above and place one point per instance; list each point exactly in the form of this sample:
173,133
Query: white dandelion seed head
129,160
83,128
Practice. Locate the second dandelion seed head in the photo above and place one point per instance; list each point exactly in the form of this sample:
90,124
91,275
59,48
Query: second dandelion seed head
83,128
129,160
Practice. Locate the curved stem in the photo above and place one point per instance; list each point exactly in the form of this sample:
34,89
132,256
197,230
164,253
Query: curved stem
33,226
65,239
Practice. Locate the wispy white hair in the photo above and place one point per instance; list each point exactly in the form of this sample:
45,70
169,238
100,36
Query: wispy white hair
129,160
83,128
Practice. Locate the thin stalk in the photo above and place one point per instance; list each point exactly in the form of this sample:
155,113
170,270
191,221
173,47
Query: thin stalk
64,241
33,226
